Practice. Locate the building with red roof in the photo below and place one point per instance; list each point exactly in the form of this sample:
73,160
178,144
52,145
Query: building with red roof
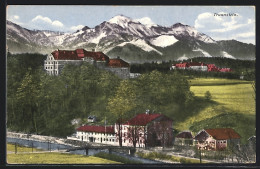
59,58
97,134
199,66
216,139
150,129
147,129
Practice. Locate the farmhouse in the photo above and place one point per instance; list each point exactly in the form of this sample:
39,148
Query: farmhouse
184,138
56,61
216,139
147,129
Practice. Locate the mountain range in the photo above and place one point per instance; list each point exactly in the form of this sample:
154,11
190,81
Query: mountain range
130,40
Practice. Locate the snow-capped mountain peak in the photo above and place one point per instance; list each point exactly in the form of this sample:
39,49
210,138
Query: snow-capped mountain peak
121,20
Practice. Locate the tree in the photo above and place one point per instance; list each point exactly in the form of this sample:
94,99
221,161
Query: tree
122,103
207,95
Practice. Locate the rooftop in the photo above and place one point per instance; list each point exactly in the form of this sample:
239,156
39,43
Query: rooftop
97,129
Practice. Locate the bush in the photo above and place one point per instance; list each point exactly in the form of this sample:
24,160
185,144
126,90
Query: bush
208,95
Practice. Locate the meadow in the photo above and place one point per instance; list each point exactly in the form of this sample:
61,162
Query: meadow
25,156
232,105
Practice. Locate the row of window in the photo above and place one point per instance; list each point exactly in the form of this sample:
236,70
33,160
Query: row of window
53,73
139,141
51,62
48,67
94,133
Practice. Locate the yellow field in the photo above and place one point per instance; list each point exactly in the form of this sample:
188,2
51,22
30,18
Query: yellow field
25,156
231,96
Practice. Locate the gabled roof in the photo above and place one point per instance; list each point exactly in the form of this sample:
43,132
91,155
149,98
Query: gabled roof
78,54
185,134
142,119
65,55
223,133
117,63
97,129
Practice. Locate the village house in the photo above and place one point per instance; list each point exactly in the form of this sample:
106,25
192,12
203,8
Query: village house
96,134
56,61
184,138
147,130
216,139
199,66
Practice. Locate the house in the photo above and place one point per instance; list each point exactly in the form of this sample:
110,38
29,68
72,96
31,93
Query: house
92,119
56,61
97,134
216,139
199,66
225,70
147,130
212,68
184,138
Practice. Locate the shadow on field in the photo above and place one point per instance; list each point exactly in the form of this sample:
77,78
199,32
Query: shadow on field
197,105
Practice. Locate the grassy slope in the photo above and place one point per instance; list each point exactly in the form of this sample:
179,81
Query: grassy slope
234,106
51,158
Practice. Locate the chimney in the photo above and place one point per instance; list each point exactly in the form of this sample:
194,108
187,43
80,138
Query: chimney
93,50
118,57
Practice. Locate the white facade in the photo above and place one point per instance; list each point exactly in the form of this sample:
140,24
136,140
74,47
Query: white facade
54,67
200,68
96,137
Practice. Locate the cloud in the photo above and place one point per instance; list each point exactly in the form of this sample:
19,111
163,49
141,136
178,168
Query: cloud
223,26
145,21
75,28
45,20
16,17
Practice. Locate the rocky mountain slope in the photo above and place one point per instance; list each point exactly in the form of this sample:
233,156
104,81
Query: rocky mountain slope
129,39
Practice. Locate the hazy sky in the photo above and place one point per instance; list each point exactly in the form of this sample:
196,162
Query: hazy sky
205,19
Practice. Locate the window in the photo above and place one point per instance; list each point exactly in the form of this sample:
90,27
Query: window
224,141
46,67
113,140
124,140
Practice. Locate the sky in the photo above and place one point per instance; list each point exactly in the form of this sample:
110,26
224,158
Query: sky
219,22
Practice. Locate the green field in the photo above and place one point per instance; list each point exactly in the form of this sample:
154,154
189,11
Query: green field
25,156
232,105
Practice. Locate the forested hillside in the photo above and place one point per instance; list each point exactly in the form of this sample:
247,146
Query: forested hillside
43,104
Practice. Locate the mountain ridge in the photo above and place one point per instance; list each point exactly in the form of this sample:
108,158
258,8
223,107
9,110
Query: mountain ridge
162,43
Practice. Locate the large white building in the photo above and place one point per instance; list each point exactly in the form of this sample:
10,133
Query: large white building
55,62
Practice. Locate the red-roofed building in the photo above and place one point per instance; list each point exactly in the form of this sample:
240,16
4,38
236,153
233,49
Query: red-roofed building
97,134
58,58
216,139
200,66
147,129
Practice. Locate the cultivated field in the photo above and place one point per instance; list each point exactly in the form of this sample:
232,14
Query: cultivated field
232,105
25,156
